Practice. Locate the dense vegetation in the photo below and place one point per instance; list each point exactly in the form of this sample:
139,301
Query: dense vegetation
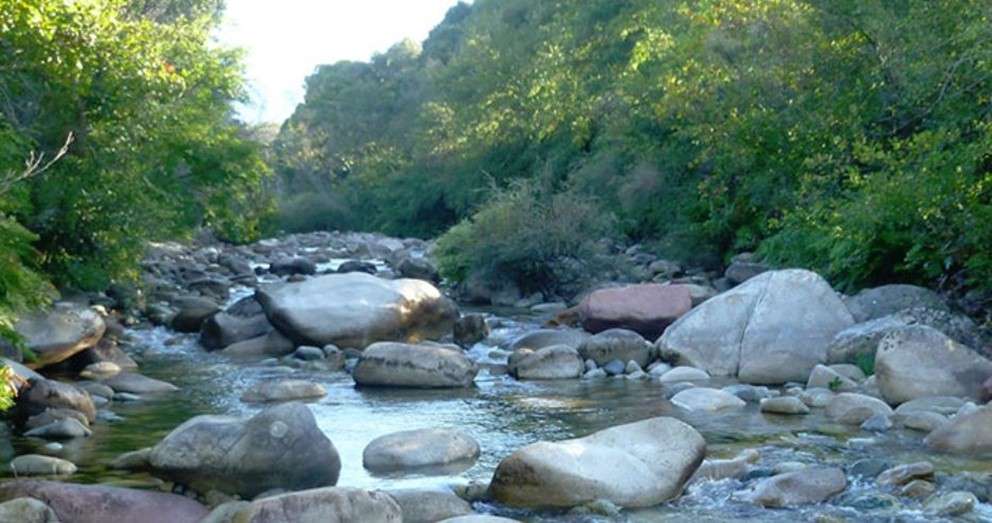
141,99
852,137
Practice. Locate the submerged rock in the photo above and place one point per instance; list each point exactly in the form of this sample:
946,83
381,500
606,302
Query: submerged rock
283,390
418,366
134,383
357,309
634,465
101,504
417,449
771,329
330,504
706,399
43,394
803,487
278,448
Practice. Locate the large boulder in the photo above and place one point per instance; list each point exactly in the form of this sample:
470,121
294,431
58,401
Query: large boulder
388,364
58,334
323,505
616,344
224,329
918,361
73,503
967,434
548,363
191,313
878,302
771,329
279,448
853,409
43,394
357,309
27,510
645,308
638,464
418,449
859,342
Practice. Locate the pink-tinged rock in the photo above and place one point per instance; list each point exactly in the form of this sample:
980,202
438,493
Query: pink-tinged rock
647,309
100,504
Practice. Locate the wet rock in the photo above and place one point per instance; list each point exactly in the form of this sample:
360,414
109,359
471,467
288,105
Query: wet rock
594,374
784,405
101,504
43,394
918,488
27,510
35,465
877,423
634,465
418,366
58,334
923,421
853,409
291,266
616,344
871,304
271,344
902,474
752,330
281,447
283,390
547,337
826,378
191,313
614,368
743,268
100,370
356,310
136,460
418,269
63,429
223,329
548,363
681,374
478,518
133,383
428,506
470,329
748,393
647,309
718,469
330,504
706,399
946,405
816,398
418,449
52,415
868,468
309,353
918,361
860,342
479,289
967,434
952,504
810,485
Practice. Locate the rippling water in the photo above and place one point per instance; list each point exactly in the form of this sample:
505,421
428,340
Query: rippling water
503,415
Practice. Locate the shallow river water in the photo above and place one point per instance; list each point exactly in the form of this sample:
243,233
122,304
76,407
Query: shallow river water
503,415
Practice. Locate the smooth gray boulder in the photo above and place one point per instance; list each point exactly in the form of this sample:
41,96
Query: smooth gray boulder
854,409
73,503
967,434
803,487
785,405
278,448
421,505
918,361
387,364
639,464
547,363
858,343
135,383
27,510
541,338
419,449
283,390
223,329
322,505
271,344
616,344
357,310
37,465
871,304
43,394
56,335
191,313
771,329
707,399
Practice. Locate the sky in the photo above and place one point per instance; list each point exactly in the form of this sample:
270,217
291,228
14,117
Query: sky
286,39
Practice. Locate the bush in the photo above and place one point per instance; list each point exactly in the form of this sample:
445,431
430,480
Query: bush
527,234
312,212
8,389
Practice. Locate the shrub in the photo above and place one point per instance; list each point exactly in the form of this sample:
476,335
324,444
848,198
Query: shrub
528,234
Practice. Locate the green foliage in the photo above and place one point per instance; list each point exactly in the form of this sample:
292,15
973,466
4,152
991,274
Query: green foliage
8,390
850,137
526,234
866,362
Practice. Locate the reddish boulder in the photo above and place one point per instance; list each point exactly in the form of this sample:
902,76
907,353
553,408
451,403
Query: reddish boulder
100,504
647,309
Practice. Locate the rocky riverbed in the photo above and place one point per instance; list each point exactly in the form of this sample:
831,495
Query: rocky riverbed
333,377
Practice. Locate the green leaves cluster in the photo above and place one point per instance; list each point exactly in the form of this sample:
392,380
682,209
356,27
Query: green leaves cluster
156,152
848,136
